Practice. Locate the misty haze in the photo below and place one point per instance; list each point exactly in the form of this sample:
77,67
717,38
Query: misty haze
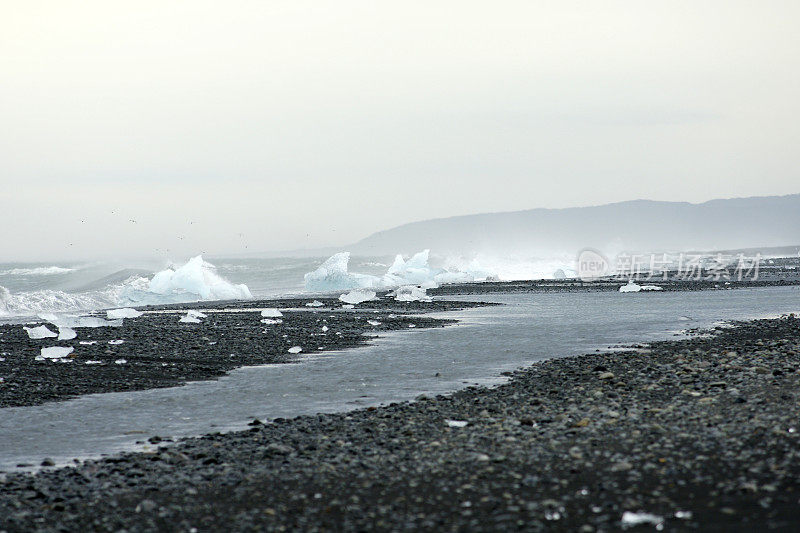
353,266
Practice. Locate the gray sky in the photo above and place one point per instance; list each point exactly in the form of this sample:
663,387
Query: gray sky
271,125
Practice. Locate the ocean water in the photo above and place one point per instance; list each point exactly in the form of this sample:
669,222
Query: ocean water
34,288
29,289
398,366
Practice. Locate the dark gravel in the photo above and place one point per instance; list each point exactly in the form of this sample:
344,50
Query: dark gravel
159,351
701,433
573,285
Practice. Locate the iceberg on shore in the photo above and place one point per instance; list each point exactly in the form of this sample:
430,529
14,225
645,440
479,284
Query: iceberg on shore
634,287
357,296
334,275
410,293
126,312
197,277
39,332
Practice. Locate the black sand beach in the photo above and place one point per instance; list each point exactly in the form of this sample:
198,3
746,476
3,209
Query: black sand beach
695,434
159,351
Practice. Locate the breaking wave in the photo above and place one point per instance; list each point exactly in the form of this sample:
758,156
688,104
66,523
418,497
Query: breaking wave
37,271
195,280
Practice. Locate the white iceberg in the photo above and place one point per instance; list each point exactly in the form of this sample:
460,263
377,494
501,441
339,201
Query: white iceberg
634,287
5,297
40,332
333,275
72,321
56,352
271,313
192,317
197,277
631,519
410,293
357,296
126,312
66,334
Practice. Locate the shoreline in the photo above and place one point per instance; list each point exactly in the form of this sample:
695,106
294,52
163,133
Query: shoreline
699,433
157,351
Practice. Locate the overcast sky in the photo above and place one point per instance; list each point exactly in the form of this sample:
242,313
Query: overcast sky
242,126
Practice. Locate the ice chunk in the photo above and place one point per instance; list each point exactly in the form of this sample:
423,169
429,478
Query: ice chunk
121,361
192,317
373,323
56,352
357,296
116,341
456,423
65,333
630,519
271,313
87,343
72,321
39,332
333,275
634,287
295,349
5,297
324,329
197,277
92,362
126,312
348,306
411,293
271,321
315,303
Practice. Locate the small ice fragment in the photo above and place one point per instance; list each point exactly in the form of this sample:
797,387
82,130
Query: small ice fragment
324,328
87,343
120,361
92,362
348,306
634,287
373,323
456,423
192,317
65,333
271,321
295,349
357,296
40,332
72,321
116,341
315,303
412,325
683,515
630,287
126,312
630,519
411,293
56,352
271,313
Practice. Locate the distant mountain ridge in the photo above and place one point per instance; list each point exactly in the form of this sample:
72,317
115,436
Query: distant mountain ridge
642,225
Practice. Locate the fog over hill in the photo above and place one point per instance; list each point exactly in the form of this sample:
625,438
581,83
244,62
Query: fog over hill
639,225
